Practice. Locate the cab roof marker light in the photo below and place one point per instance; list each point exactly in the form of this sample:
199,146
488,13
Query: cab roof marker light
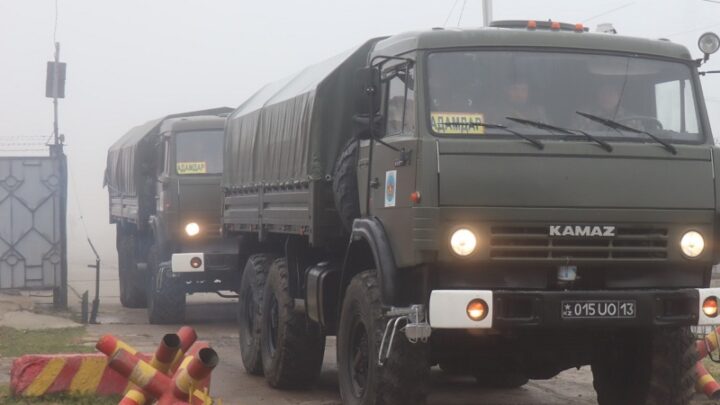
532,25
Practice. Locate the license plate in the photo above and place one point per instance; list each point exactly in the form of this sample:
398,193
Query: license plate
598,309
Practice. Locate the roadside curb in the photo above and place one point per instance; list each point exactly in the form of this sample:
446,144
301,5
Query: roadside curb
37,375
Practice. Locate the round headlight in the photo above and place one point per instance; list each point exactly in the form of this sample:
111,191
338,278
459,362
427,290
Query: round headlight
709,43
463,242
692,244
192,229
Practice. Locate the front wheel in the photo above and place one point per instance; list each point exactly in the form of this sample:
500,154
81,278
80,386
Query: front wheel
403,377
132,280
165,296
646,368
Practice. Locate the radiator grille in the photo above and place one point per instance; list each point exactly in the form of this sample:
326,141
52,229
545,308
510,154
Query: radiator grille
535,242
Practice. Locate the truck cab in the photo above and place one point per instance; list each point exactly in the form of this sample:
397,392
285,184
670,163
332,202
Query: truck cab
188,253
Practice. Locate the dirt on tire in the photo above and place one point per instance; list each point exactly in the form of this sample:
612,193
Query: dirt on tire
646,368
249,305
404,377
292,347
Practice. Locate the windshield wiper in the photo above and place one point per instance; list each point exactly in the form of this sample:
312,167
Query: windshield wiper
618,126
573,132
535,142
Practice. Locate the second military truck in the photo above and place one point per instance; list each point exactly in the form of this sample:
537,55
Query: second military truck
163,178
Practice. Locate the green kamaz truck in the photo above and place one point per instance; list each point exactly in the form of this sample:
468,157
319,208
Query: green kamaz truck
506,203
163,179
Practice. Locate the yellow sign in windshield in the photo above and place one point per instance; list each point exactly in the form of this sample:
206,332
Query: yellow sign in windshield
448,123
191,167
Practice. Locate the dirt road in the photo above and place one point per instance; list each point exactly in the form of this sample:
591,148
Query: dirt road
214,320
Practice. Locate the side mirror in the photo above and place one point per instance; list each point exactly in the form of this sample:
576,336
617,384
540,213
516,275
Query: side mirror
368,90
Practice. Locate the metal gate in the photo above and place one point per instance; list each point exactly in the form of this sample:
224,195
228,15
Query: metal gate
32,222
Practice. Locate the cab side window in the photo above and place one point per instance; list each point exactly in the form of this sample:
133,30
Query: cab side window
400,100
675,106
164,165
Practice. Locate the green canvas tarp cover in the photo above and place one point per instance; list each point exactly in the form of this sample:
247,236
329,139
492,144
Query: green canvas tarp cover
293,129
126,156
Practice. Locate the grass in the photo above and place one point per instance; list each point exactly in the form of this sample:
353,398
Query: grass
15,342
7,399
712,367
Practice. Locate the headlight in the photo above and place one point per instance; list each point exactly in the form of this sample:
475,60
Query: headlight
192,229
692,244
463,242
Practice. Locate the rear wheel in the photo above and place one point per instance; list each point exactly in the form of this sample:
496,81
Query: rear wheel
403,377
132,280
292,347
249,304
165,296
646,367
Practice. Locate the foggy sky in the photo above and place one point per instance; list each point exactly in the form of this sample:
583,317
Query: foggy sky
134,60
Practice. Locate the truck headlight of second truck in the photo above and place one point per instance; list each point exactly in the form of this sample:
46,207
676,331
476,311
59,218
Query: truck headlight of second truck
192,229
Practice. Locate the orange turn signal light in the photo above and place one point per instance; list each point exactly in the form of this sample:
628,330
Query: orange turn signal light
477,310
710,307
415,197
195,262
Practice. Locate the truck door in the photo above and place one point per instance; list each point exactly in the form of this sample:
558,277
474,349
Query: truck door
162,184
393,171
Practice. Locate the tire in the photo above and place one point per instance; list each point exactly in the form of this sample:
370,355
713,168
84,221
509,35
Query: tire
132,281
345,185
292,347
649,367
249,304
404,377
165,296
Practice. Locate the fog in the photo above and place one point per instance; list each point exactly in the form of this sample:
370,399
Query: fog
131,61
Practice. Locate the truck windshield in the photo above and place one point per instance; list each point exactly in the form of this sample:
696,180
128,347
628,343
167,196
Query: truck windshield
489,86
199,152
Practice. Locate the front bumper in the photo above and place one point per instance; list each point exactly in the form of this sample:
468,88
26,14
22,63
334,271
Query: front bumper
522,309
182,262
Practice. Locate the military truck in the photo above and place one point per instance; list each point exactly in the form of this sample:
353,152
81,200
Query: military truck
506,203
163,179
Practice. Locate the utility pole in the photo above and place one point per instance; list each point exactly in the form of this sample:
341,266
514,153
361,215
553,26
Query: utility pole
55,89
487,13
